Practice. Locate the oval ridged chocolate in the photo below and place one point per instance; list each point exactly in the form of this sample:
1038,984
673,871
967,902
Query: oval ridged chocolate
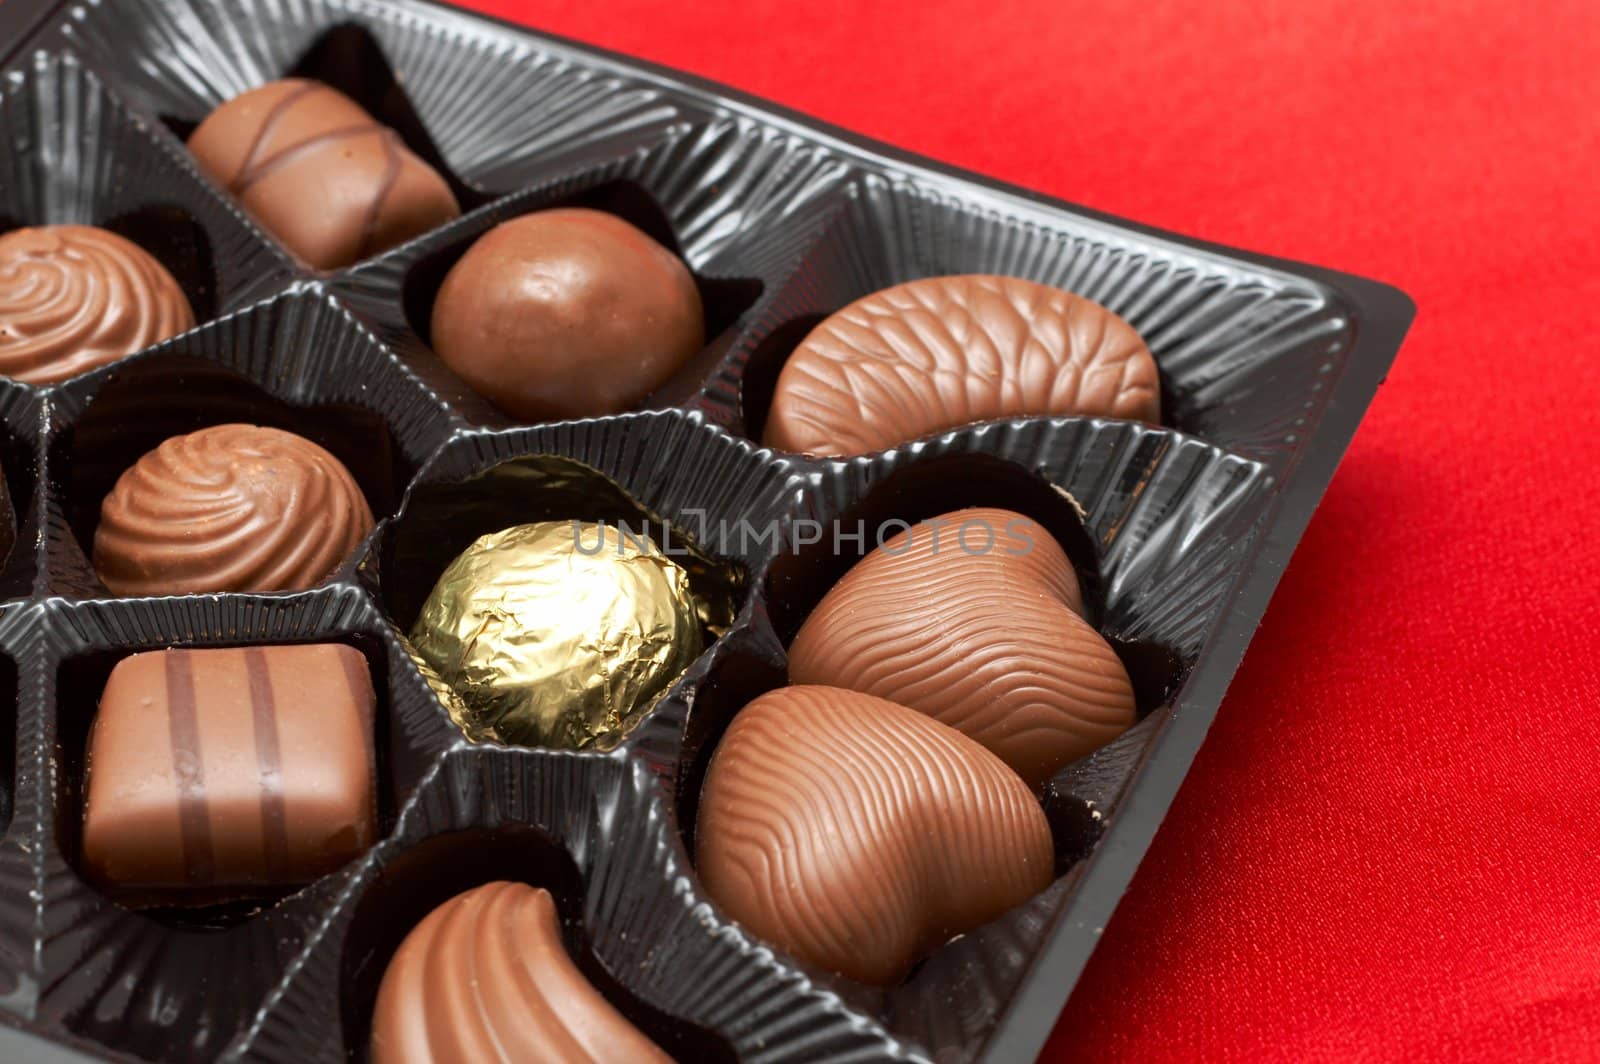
73,297
859,835
326,178
486,978
943,352
229,508
988,641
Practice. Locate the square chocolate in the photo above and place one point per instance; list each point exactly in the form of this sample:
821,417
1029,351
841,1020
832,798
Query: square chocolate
229,772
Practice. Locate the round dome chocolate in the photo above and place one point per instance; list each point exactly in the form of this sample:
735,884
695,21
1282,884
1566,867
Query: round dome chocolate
229,508
326,178
567,313
942,352
74,297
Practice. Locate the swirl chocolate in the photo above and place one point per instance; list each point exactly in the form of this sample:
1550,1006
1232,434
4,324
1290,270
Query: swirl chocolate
328,180
939,353
567,313
859,835
485,978
229,772
229,508
974,618
74,297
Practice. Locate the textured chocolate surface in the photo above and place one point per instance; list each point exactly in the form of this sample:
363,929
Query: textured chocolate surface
485,978
325,178
973,618
942,352
859,835
227,771
567,313
73,297
229,508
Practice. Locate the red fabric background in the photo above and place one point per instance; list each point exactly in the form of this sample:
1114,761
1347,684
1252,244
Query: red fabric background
1389,847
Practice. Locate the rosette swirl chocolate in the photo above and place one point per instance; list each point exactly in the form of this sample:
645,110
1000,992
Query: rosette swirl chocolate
229,508
558,633
485,978
74,297
943,352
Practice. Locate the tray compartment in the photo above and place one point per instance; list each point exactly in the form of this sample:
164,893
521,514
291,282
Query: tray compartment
1158,526
299,362
668,472
608,854
178,983
488,110
739,203
571,823
1246,354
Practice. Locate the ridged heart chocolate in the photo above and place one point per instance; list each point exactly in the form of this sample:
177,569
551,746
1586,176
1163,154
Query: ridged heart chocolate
485,978
859,835
943,352
973,618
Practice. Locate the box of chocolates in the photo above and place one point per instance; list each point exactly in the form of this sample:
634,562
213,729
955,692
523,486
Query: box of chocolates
513,553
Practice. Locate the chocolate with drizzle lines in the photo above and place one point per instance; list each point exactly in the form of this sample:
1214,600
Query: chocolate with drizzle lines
326,178
224,773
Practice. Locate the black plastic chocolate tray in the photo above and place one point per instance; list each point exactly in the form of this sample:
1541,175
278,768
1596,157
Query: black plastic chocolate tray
1180,531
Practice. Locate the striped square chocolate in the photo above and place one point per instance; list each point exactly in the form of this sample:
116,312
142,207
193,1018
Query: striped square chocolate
230,771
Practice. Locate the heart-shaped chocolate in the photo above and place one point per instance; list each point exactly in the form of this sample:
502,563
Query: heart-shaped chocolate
973,618
859,835
943,352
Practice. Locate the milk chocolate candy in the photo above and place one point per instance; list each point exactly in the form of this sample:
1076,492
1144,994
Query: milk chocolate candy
74,297
567,313
329,181
943,352
485,979
859,835
229,508
973,617
224,773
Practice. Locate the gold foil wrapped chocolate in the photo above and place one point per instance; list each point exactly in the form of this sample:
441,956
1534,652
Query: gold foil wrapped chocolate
558,633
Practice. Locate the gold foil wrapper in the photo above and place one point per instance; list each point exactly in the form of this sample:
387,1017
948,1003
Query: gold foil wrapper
558,633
